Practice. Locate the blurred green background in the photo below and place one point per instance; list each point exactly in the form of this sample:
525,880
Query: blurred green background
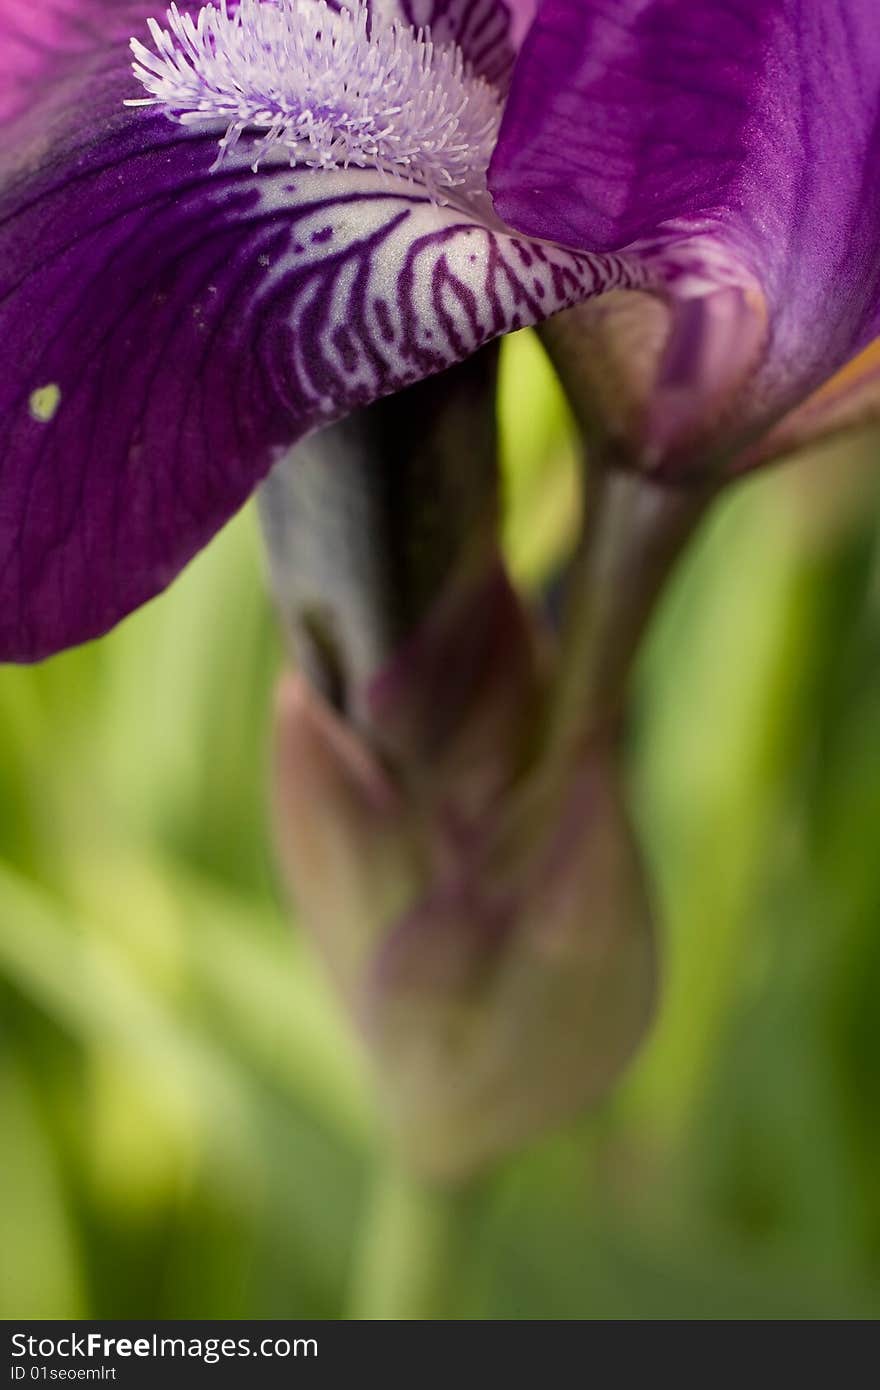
186,1124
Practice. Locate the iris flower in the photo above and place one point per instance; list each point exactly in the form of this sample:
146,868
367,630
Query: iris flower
271,214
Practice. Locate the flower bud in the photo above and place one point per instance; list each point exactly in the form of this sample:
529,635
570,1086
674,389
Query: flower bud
491,937
449,807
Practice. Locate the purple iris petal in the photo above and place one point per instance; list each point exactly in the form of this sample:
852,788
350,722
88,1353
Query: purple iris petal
849,400
169,330
752,125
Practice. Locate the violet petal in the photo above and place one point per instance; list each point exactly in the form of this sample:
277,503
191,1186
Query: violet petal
168,331
751,125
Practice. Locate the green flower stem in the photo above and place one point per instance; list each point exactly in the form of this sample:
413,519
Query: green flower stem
368,522
413,1247
633,534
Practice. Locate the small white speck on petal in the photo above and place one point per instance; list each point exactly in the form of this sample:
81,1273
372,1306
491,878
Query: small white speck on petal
44,402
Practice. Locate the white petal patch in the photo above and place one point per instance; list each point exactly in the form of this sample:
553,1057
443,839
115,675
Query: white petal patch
379,287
